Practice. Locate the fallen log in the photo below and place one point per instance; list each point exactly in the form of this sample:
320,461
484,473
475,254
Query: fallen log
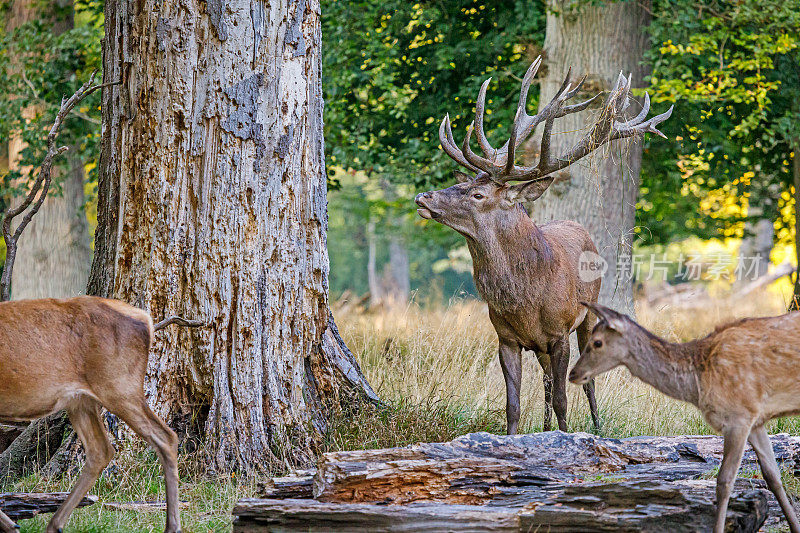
24,505
621,507
523,482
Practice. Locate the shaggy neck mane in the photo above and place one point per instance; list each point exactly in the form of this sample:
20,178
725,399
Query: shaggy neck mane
670,367
504,255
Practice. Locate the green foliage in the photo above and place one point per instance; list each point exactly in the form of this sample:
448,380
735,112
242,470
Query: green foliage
731,68
392,69
39,65
359,200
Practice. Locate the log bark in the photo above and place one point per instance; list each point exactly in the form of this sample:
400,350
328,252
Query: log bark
566,482
619,507
600,192
212,205
23,505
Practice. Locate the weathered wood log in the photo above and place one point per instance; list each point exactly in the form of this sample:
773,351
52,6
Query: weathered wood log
565,481
473,468
24,505
623,507
298,485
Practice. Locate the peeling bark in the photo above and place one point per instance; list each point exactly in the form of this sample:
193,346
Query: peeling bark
212,205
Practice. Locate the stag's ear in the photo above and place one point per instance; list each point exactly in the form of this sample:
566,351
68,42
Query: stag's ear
616,321
462,177
528,191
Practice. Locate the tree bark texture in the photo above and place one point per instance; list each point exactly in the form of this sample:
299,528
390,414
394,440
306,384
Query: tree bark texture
600,191
212,205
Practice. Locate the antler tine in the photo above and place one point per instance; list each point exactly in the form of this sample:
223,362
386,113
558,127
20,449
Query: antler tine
449,145
480,106
631,128
474,159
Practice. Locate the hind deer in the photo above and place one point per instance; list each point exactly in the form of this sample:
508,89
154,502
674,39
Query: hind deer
82,354
741,376
528,274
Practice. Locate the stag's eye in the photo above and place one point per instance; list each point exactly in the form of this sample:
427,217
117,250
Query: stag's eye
597,344
478,196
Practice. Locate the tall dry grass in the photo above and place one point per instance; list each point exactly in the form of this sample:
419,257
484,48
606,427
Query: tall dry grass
444,359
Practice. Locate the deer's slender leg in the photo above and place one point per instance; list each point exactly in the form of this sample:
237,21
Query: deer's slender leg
759,440
85,418
511,363
584,332
6,524
138,415
560,362
733,448
547,380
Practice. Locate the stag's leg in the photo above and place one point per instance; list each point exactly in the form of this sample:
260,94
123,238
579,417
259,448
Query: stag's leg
584,332
85,418
560,364
733,448
547,381
759,440
138,415
511,363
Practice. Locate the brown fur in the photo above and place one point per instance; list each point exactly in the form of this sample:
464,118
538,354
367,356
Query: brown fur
81,354
528,275
740,377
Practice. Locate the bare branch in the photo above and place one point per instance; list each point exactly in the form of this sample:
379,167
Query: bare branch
38,193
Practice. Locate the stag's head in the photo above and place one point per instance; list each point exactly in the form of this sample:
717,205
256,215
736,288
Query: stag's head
496,185
608,347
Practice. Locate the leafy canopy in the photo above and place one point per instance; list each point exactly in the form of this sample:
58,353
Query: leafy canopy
392,69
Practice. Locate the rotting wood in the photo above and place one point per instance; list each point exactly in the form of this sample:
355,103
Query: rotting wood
24,505
560,476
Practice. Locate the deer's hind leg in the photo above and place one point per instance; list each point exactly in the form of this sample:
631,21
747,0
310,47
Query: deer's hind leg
85,418
559,358
135,412
584,332
759,440
733,448
547,380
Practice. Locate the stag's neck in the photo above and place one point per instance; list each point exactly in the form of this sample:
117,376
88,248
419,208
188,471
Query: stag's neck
669,367
508,256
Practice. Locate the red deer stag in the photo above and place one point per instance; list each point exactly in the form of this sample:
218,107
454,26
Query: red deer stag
82,354
741,376
528,274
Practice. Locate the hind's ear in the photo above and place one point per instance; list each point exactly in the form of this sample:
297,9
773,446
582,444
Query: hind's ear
613,319
529,190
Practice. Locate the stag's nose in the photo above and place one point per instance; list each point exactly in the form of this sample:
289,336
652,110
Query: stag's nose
420,196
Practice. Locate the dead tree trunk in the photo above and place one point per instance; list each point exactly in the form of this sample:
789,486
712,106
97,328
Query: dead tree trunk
212,205
600,193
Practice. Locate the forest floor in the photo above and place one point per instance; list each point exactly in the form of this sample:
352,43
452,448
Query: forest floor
437,369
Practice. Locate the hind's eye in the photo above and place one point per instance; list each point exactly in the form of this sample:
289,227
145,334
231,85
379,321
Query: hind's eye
597,344
478,196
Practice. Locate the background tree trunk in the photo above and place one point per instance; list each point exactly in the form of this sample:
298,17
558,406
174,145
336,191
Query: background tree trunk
212,205
53,257
599,192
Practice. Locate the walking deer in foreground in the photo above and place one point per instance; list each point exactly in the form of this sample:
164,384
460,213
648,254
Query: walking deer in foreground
528,274
82,354
740,377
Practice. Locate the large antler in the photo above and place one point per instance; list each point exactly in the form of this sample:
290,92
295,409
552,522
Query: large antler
499,164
